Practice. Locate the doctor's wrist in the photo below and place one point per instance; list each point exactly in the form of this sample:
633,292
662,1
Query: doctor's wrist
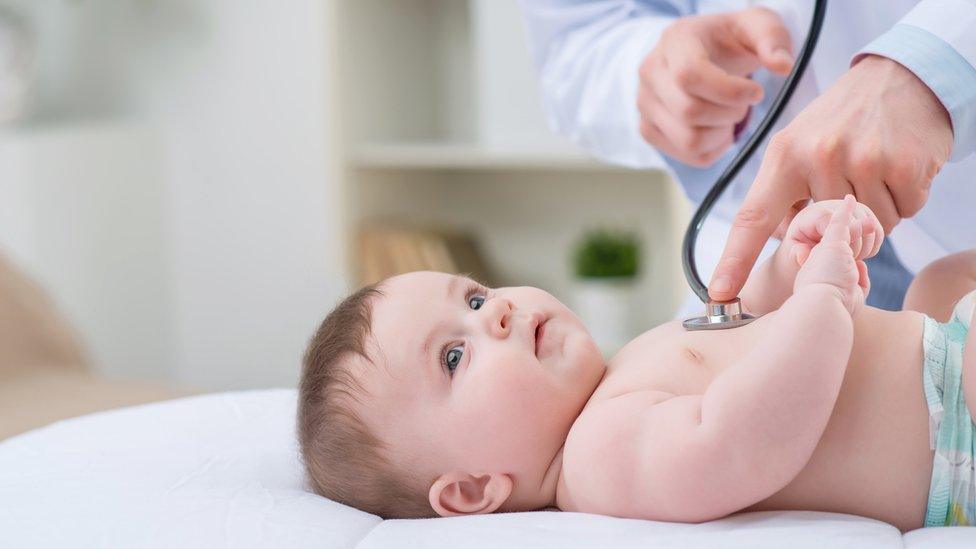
908,87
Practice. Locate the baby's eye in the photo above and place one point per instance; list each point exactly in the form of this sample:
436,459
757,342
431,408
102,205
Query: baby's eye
475,302
453,357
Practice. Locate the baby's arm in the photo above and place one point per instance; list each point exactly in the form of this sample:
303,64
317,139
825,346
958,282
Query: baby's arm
768,287
693,458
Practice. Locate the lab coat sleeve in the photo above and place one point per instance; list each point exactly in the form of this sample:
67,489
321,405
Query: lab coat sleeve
588,54
936,40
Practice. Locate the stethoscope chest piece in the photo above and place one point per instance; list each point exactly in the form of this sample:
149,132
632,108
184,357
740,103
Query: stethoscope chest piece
720,315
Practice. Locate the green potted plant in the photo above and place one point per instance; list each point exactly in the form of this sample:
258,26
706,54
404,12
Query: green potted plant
606,263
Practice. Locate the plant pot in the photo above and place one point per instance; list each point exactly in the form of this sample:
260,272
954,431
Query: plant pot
606,307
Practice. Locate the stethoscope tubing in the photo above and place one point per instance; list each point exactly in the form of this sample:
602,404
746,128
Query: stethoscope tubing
785,93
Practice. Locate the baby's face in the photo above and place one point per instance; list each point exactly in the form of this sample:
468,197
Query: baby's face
475,380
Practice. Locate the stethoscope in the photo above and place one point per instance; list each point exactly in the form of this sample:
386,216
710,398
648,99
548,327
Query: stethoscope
721,315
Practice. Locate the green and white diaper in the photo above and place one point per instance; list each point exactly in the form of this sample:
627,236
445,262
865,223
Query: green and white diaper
952,494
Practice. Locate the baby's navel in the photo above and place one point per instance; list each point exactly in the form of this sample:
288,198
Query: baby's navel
693,355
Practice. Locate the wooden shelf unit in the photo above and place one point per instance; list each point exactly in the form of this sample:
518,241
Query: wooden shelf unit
422,140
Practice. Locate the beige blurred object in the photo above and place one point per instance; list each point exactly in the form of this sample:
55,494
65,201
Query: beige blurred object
386,251
16,66
32,333
44,372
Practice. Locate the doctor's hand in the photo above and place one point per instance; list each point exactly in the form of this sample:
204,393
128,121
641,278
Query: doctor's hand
878,133
694,86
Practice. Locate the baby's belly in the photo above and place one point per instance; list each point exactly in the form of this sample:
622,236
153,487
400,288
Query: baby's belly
873,458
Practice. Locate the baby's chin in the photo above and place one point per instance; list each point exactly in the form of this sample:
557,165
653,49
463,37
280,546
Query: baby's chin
581,354
580,370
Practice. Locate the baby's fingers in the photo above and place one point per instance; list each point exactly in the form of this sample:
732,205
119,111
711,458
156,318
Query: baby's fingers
863,280
857,237
879,236
800,253
838,229
868,240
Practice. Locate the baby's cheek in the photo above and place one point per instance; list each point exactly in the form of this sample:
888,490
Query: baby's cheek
507,391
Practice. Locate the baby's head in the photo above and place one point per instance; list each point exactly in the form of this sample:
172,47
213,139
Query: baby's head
429,394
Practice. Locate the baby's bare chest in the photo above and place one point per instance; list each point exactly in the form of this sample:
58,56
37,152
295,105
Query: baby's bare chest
671,360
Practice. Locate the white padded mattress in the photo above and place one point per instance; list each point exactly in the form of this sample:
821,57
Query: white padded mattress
222,470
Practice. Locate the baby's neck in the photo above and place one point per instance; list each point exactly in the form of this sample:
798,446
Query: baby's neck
552,483
552,478
560,497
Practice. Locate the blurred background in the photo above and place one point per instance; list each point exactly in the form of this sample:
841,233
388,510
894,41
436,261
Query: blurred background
188,186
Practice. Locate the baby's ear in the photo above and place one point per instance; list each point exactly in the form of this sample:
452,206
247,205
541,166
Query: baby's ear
466,494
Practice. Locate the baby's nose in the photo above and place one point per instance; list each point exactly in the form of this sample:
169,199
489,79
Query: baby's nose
500,317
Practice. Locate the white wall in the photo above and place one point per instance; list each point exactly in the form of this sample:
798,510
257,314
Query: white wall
256,235
235,102
83,209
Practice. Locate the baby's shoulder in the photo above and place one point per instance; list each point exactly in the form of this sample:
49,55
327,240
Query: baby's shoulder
600,417
600,451
609,422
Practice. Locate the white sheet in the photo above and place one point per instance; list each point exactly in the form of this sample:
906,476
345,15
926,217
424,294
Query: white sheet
222,471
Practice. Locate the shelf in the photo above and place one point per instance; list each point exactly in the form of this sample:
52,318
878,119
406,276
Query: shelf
79,128
471,156
466,146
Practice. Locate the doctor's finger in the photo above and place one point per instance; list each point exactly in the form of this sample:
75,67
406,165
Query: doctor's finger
867,177
777,187
695,111
663,142
694,141
693,72
827,179
762,31
656,138
828,185
692,146
909,194
875,195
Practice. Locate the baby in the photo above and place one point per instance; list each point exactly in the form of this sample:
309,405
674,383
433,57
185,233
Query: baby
429,394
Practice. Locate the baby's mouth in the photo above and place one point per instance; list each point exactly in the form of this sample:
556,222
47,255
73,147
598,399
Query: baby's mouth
540,332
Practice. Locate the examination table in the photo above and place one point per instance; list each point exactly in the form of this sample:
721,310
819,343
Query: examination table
222,470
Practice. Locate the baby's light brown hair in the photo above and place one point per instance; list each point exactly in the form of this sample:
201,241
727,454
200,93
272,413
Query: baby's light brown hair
344,460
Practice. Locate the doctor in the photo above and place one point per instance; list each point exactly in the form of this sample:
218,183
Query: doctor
888,98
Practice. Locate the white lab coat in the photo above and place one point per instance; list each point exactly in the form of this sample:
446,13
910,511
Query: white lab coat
588,53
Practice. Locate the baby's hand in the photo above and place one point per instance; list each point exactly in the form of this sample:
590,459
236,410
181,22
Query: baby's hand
807,228
832,260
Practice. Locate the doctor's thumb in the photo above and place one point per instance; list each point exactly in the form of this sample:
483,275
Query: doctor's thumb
761,30
776,59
